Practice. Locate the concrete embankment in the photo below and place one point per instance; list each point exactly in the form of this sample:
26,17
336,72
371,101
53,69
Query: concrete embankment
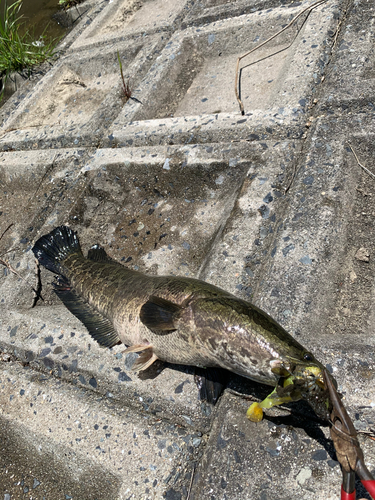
271,205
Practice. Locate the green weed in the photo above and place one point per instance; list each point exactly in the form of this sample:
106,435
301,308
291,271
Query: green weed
126,88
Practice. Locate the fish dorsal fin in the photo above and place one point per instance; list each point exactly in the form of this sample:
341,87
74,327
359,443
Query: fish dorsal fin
160,315
98,254
99,327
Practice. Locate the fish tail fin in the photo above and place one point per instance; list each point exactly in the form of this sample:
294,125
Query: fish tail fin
53,248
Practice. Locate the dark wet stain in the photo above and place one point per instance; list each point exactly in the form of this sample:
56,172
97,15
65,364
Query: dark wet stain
152,203
320,455
172,495
48,363
44,352
308,180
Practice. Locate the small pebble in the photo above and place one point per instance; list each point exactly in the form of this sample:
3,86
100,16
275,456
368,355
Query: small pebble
196,442
303,475
363,255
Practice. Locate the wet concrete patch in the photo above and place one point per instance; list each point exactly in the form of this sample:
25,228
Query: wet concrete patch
144,204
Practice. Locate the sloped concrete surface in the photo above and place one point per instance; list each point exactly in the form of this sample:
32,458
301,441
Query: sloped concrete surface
272,205
131,455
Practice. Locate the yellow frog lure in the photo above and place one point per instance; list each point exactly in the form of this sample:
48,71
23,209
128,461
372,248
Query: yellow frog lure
307,383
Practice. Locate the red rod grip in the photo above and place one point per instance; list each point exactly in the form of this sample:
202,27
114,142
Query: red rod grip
349,496
370,487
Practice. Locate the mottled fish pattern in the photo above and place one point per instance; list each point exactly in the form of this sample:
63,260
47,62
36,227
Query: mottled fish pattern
175,319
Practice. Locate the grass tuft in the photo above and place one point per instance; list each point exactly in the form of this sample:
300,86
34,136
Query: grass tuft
127,90
18,50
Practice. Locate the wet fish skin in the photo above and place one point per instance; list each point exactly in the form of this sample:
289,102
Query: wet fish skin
176,319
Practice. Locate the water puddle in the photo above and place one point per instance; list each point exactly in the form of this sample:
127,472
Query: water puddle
38,17
42,19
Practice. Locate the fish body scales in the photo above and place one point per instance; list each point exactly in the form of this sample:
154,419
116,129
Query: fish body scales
175,319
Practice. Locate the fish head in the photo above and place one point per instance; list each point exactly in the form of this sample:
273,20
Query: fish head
303,379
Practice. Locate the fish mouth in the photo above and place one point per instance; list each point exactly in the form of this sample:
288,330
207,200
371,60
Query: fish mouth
302,380
296,381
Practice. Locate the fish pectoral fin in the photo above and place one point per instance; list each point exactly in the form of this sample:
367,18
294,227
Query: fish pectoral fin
137,348
145,359
99,327
160,315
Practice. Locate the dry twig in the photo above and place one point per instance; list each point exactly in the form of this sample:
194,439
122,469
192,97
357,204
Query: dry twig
338,29
38,284
7,229
286,189
7,264
370,433
191,482
360,164
237,80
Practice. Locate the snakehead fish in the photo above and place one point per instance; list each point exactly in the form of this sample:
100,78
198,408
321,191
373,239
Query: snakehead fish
179,320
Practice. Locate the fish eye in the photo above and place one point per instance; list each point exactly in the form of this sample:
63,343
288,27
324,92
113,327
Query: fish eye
308,356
